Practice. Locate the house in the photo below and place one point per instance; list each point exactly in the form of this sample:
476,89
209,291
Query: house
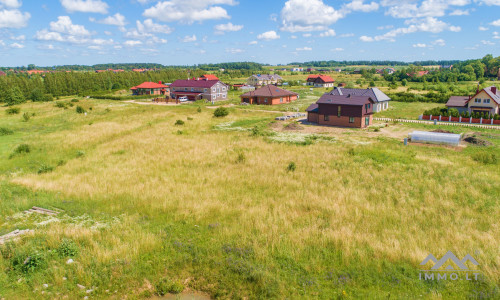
310,70
269,95
381,100
263,79
341,110
386,70
417,74
446,67
197,89
139,70
150,88
2,73
486,100
338,70
323,81
209,77
297,69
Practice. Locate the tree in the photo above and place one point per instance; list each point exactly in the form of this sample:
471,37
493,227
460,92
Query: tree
37,95
221,112
14,96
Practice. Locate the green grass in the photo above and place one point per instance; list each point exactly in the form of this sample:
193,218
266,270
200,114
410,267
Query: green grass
403,110
225,212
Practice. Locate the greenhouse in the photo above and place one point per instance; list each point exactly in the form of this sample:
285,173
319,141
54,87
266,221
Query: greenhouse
435,138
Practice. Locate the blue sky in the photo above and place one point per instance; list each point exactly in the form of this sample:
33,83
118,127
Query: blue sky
173,32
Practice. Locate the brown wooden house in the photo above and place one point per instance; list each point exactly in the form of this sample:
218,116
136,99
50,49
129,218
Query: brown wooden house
344,111
269,95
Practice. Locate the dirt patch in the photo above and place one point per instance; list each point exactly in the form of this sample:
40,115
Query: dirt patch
293,126
442,131
477,141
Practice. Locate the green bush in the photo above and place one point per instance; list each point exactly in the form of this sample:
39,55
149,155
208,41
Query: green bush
29,263
291,167
26,117
75,100
179,122
221,112
68,248
199,109
61,104
165,286
241,158
37,95
14,96
45,169
48,98
13,110
5,131
80,109
487,158
23,148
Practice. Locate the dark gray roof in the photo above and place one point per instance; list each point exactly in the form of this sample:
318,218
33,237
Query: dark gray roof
313,108
268,77
457,101
374,93
344,100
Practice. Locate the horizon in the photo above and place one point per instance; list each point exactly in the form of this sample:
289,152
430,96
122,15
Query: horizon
174,32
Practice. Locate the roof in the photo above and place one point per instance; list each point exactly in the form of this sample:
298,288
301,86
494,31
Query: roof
2,73
493,92
320,78
457,101
210,77
194,83
344,100
267,77
374,93
150,85
313,108
269,91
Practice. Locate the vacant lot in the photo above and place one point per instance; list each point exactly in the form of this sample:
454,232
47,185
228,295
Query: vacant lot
230,209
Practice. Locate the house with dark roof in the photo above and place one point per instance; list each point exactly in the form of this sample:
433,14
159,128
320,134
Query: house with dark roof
150,88
380,98
269,95
486,100
343,111
321,81
197,89
264,79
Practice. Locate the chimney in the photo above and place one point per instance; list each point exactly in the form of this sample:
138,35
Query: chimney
494,90
477,91
159,82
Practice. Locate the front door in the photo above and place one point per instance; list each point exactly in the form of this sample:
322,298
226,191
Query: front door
367,121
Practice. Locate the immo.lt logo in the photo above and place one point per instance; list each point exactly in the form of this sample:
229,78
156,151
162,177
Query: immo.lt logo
449,267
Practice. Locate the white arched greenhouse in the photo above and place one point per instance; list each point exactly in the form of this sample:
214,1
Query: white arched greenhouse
435,138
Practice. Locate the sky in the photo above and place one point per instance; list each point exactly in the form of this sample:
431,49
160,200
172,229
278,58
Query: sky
188,32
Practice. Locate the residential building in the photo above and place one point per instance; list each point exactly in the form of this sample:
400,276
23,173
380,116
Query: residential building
264,79
269,95
340,110
322,81
381,100
209,77
486,100
150,88
297,69
197,89
417,74
2,73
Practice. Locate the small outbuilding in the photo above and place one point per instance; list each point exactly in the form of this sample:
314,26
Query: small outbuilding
269,95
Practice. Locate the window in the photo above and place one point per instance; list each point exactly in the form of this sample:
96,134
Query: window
281,100
351,119
185,89
367,106
223,89
327,118
205,90
265,100
486,100
192,89
477,100
223,95
339,112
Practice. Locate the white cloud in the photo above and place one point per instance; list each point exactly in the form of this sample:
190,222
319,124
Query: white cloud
495,23
253,43
306,35
337,49
419,45
345,35
439,42
489,2
66,26
496,35
189,39
489,43
308,15
149,26
385,27
482,28
234,50
10,3
359,5
427,8
18,38
45,35
229,27
86,6
188,11
304,49
132,43
13,18
365,38
268,36
116,20
293,37
460,12
16,46
328,33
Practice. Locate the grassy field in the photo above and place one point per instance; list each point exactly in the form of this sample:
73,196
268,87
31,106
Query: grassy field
228,208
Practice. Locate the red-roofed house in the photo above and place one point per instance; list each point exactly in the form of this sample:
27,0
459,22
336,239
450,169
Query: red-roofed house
323,81
150,88
269,95
196,89
486,101
418,74
209,77
2,73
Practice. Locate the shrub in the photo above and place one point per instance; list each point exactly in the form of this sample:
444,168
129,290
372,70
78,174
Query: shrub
48,98
14,96
80,153
23,148
13,110
165,286
241,158
179,122
5,131
75,100
68,248
80,109
487,158
29,263
26,117
291,167
36,95
61,104
190,119
45,169
221,112
199,109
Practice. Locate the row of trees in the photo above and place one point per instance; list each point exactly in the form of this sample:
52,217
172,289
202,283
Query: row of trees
43,87
334,63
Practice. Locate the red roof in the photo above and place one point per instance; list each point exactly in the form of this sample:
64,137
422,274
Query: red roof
194,83
150,85
320,78
209,77
2,73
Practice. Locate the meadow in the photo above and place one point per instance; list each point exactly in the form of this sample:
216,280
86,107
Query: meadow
221,207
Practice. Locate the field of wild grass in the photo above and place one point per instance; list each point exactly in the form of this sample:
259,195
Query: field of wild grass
226,208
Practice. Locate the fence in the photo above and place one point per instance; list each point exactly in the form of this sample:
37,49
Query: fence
443,122
461,120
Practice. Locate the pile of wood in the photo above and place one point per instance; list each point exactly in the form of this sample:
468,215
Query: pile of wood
42,211
14,234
